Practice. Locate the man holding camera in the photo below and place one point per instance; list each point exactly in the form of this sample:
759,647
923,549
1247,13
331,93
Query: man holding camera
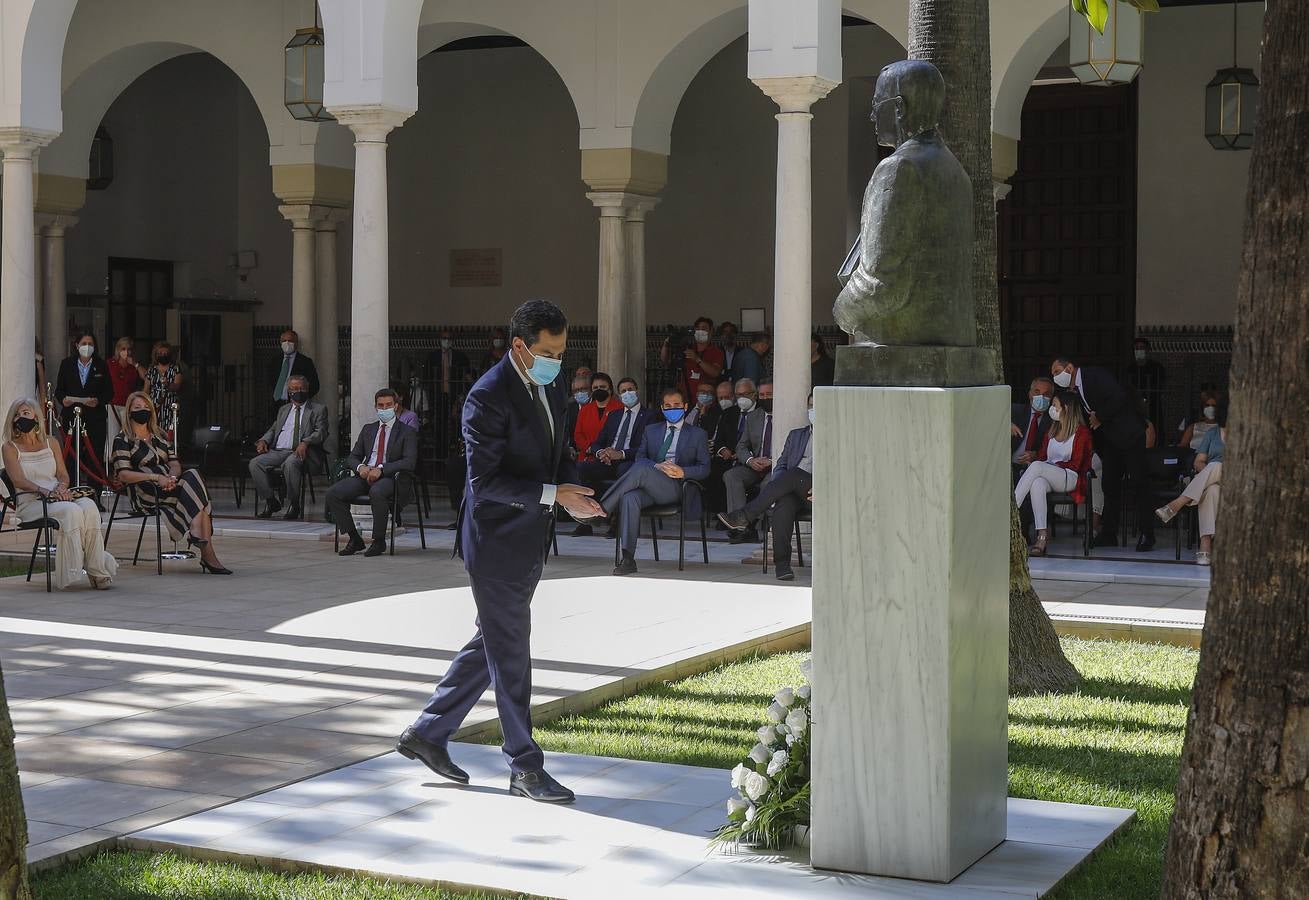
701,361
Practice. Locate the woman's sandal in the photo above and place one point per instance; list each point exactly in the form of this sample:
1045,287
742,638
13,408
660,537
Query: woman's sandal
1038,548
1165,514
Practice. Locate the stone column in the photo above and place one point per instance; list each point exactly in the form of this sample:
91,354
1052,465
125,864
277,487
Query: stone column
56,290
328,337
303,219
634,237
612,329
370,318
793,246
38,281
17,277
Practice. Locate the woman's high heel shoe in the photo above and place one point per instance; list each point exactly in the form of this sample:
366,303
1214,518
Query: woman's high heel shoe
193,541
1038,548
214,570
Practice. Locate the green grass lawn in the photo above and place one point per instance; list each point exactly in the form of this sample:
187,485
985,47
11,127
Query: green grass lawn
1114,743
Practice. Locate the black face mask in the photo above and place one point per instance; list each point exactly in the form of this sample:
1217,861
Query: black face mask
600,396
141,416
766,405
165,357
298,396
23,424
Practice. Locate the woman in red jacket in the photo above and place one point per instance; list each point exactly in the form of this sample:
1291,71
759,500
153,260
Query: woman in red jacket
1061,465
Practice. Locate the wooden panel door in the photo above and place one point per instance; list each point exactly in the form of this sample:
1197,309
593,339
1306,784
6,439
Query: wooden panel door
1067,233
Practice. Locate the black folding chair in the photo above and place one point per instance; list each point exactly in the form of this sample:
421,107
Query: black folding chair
767,525
674,510
1166,471
145,514
1059,498
44,526
396,506
214,443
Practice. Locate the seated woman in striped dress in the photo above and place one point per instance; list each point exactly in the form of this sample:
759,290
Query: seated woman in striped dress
144,462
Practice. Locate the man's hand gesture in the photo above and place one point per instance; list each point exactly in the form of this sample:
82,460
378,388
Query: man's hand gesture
578,501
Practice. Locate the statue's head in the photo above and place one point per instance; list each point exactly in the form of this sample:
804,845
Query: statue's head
907,101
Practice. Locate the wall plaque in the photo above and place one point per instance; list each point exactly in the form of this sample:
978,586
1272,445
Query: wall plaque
475,268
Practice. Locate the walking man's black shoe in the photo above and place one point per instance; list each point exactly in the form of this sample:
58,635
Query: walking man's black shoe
539,786
411,746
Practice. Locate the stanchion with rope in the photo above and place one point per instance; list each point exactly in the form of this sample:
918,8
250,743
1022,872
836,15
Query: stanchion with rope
176,554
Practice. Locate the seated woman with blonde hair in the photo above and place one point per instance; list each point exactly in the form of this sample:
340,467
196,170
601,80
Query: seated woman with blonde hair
1060,467
35,465
144,462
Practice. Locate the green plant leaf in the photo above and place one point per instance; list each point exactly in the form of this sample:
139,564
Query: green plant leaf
1079,7
1097,13
1146,5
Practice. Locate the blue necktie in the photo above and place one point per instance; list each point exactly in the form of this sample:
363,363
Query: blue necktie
620,443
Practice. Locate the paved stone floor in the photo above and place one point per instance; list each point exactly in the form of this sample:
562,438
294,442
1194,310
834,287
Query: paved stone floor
636,828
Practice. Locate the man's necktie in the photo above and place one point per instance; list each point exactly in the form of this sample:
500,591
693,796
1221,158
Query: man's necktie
620,442
668,442
540,411
767,451
1031,432
381,444
295,430
279,392
740,429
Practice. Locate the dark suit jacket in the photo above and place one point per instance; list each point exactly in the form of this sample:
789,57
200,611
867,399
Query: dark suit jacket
98,384
301,365
401,448
691,453
724,433
609,433
503,526
793,452
1121,423
1021,415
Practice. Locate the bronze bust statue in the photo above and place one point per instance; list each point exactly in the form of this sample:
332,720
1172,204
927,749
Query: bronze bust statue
912,284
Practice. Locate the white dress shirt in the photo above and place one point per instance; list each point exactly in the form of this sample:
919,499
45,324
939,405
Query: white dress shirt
548,491
288,429
1077,383
383,428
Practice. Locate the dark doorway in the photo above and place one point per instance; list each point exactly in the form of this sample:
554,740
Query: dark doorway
1067,233
140,291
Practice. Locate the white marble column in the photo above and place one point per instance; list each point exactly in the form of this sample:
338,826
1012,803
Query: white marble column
328,337
634,238
17,276
793,247
370,315
56,289
38,281
304,263
612,329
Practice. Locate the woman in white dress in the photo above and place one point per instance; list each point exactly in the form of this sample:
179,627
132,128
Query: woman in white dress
36,467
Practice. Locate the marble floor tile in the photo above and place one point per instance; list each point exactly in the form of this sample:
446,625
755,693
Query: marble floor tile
89,803
68,754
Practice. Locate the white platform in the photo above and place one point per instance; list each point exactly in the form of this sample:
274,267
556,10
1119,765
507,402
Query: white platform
637,827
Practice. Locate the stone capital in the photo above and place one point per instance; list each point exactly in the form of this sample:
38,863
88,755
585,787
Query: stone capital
53,225
1000,190
303,215
797,93
58,195
624,169
371,124
301,183
331,218
615,204
22,143
640,207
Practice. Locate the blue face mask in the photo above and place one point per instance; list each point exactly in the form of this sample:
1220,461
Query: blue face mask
386,415
1040,403
582,397
629,398
674,415
544,370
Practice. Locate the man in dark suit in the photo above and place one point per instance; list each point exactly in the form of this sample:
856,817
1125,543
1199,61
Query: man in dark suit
1030,421
383,449
517,471
294,362
1118,430
754,452
619,437
84,383
729,428
789,490
295,439
669,453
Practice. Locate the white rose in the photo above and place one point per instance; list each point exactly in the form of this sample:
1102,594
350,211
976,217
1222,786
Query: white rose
750,812
807,669
736,805
786,696
767,735
760,755
804,692
756,786
778,762
782,731
777,712
738,775
797,720
790,739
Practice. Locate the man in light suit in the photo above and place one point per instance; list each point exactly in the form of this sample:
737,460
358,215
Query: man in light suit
384,449
518,469
669,453
788,491
754,459
296,436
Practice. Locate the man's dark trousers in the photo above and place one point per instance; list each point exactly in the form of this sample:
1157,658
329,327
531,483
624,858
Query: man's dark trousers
379,494
493,658
787,494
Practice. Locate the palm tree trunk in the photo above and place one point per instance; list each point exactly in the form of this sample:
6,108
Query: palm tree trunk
13,821
955,36
1242,818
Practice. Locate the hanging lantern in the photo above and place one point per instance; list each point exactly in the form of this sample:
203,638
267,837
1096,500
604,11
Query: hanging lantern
1231,101
1114,56
304,74
100,166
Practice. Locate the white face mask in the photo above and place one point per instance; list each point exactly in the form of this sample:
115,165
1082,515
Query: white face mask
1210,412
288,347
811,415
1055,413
1064,378
726,403
86,351
1139,354
446,343
702,337
497,343
745,403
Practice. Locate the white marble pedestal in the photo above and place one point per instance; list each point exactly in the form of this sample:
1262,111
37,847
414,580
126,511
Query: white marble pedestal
910,628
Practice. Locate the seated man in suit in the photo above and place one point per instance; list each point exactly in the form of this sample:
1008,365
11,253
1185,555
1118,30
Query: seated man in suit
296,435
1030,421
668,453
754,458
729,428
788,491
616,444
384,448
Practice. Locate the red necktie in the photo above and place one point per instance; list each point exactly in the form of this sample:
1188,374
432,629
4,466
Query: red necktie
381,444
1031,432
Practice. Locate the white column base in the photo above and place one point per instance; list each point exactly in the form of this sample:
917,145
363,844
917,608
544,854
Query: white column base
910,628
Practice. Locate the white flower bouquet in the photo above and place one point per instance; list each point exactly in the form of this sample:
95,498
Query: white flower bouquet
772,784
